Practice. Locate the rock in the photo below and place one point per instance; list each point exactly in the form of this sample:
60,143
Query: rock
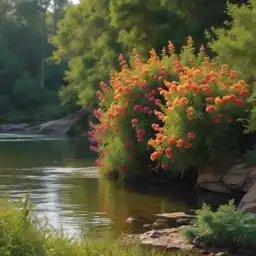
147,226
14,127
139,220
222,254
248,202
240,177
130,220
154,234
167,239
177,218
160,224
60,126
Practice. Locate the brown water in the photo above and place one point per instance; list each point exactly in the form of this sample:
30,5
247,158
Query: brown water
66,189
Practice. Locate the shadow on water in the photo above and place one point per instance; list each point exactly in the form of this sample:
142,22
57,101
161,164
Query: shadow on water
64,187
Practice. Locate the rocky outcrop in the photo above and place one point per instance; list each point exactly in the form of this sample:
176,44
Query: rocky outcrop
173,239
54,127
240,178
248,202
14,127
59,126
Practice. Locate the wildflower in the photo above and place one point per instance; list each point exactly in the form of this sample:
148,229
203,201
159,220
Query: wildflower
180,143
218,101
244,93
233,73
158,102
210,109
168,153
134,122
184,101
172,141
191,135
137,108
188,145
164,166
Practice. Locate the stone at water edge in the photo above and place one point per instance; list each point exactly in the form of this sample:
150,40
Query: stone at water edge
154,234
177,218
239,177
248,202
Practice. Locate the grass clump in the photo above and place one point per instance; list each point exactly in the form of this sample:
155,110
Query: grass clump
21,234
228,227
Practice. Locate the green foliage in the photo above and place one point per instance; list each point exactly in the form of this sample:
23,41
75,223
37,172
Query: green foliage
235,44
24,235
28,83
93,33
174,111
87,41
228,226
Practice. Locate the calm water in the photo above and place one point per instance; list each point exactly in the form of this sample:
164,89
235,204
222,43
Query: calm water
64,187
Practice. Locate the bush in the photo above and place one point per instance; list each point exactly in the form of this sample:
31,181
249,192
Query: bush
200,116
24,235
178,109
235,46
228,226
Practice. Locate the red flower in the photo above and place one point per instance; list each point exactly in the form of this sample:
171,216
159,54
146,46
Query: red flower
188,145
164,166
180,143
210,109
191,135
134,122
158,102
168,153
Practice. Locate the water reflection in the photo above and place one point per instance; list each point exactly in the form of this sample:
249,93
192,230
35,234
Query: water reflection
65,189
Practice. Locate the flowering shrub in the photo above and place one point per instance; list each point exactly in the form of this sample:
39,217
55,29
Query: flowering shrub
200,116
173,110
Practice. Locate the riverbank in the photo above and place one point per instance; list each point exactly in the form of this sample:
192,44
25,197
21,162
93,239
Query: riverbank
22,234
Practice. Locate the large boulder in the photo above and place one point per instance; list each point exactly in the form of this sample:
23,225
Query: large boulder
13,127
240,177
60,126
248,202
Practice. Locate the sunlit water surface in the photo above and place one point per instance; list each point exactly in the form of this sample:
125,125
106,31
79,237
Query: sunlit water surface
67,190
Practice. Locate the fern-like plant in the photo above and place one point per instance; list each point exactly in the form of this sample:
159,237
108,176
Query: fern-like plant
228,226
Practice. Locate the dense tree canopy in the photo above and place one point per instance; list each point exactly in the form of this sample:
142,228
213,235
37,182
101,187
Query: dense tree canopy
28,82
85,41
93,33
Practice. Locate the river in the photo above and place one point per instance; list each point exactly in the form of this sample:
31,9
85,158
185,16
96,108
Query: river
65,188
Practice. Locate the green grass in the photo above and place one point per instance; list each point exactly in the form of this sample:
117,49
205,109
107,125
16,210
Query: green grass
227,227
21,234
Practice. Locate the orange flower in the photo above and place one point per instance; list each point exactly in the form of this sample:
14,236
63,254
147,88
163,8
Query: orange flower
206,88
218,101
180,143
184,101
180,89
233,73
172,141
227,98
210,109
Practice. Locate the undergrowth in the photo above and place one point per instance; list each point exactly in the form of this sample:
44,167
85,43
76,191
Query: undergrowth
228,227
22,234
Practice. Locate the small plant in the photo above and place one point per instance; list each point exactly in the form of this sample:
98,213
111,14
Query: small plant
228,226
